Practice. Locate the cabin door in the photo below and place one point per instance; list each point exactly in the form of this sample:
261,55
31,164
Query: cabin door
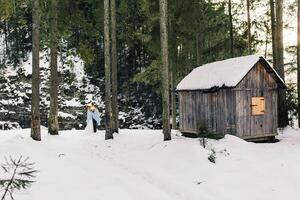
258,107
251,110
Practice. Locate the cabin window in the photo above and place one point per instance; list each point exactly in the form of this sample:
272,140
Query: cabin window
258,106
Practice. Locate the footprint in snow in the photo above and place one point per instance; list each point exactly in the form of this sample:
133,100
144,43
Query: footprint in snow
61,155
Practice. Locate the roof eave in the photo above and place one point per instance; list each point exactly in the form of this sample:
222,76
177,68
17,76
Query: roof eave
212,89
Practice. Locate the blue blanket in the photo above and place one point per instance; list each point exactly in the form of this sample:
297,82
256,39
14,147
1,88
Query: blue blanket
93,115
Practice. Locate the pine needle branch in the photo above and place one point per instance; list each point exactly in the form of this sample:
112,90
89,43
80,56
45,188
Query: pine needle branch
21,173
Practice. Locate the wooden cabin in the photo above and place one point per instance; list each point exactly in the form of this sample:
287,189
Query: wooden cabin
236,96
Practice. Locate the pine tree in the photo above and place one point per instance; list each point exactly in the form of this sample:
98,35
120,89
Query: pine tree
35,107
114,69
172,72
282,112
165,71
173,97
298,60
53,115
107,59
248,26
273,29
230,28
267,39
200,47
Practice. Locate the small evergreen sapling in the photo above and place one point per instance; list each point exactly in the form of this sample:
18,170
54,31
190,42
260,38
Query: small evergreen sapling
212,156
19,174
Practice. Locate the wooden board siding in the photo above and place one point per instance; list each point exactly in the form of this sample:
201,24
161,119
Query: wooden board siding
228,111
215,111
257,83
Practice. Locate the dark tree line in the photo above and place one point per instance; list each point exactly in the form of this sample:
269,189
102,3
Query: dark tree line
136,51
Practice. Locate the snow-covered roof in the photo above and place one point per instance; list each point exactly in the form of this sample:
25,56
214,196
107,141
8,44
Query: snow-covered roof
225,73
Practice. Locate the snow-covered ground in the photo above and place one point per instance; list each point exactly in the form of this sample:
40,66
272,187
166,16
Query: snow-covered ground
137,165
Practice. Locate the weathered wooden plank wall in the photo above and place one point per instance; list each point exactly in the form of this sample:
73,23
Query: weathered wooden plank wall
215,111
257,83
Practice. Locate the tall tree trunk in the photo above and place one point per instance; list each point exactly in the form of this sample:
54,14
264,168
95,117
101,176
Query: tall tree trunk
173,96
273,29
172,60
298,61
5,53
199,48
53,115
267,40
231,29
163,5
107,64
114,69
172,84
35,107
249,27
282,110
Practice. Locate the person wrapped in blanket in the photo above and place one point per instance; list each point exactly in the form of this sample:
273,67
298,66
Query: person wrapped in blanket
93,116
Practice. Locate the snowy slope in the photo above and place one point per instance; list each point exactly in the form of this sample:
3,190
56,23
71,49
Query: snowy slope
15,91
138,165
76,89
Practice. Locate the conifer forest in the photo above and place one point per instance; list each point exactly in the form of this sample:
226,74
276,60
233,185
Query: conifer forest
149,99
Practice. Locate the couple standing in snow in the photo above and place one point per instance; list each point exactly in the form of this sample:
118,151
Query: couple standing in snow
93,118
